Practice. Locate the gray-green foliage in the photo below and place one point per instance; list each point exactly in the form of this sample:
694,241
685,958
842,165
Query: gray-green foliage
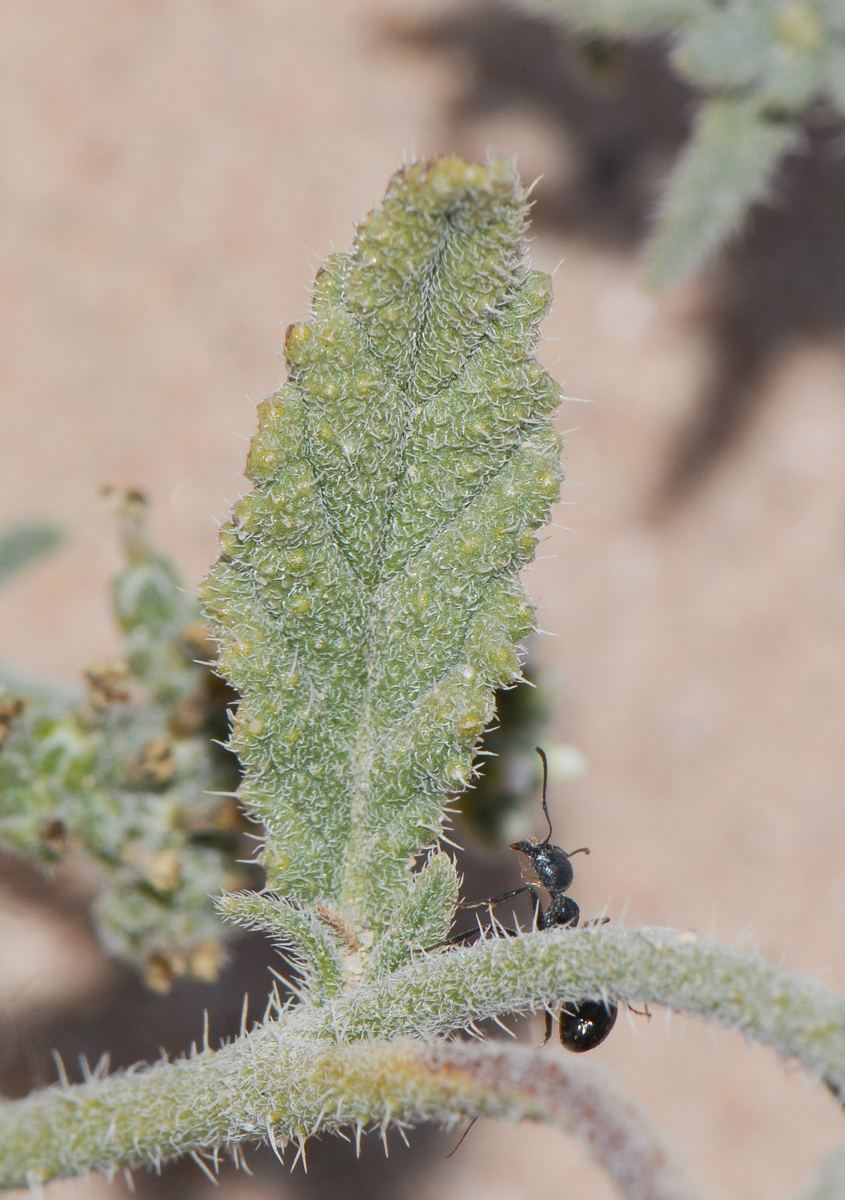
25,543
367,598
124,776
757,65
21,545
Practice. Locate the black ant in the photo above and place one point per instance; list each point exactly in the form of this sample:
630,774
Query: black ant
583,1024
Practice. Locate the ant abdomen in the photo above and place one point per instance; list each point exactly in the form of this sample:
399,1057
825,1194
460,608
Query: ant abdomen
585,1025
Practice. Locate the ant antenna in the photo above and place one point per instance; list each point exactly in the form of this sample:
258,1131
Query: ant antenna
548,837
463,1136
545,762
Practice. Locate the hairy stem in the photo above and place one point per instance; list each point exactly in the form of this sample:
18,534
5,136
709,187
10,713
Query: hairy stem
282,1077
377,1082
796,1016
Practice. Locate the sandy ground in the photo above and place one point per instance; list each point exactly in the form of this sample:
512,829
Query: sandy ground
170,174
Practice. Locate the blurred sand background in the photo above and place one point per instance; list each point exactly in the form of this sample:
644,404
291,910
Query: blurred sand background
172,171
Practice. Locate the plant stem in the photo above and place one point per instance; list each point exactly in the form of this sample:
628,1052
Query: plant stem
288,1077
407,1081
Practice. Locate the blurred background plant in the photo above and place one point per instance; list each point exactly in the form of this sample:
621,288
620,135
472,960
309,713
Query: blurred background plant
134,776
21,546
756,66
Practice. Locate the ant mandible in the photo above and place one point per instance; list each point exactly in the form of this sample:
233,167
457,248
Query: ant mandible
583,1024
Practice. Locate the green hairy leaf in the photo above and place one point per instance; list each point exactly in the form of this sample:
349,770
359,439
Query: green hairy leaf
367,598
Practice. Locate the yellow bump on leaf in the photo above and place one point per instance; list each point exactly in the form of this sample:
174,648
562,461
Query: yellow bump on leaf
799,27
206,960
163,870
161,971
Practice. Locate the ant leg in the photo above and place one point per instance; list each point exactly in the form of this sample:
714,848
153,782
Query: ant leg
495,899
466,934
645,1012
457,938
550,1024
